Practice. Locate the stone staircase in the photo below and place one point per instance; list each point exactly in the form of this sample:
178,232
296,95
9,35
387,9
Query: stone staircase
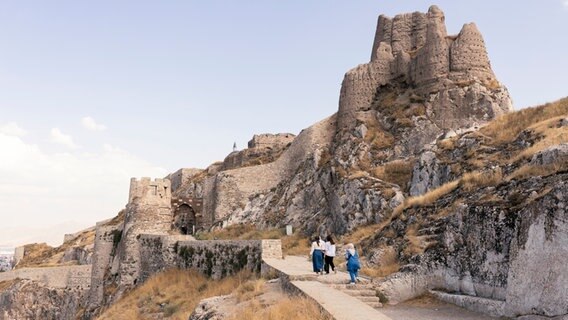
364,292
340,300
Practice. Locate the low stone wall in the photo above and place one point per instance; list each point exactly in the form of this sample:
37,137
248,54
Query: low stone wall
54,277
215,258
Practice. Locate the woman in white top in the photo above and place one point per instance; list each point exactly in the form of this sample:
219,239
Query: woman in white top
329,254
316,253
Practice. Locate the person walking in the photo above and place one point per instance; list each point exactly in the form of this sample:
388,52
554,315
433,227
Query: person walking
353,264
329,255
316,253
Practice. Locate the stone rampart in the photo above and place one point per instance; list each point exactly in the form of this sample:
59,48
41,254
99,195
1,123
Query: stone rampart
148,211
54,277
182,177
415,49
229,190
267,140
215,258
106,240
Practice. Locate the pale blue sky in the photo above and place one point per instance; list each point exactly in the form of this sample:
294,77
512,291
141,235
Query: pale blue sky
175,83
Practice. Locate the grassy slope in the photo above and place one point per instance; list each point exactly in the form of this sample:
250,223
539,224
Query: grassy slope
174,294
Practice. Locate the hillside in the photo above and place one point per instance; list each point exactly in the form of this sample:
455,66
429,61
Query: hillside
443,188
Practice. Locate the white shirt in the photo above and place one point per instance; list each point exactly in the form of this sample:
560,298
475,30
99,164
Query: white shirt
315,246
329,249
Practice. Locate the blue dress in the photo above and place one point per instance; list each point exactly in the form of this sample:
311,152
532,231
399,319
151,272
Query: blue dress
317,260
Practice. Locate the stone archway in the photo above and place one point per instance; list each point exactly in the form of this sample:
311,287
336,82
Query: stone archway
184,219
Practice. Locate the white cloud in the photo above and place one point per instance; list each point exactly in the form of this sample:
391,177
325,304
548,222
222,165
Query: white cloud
12,129
565,3
42,190
60,138
90,124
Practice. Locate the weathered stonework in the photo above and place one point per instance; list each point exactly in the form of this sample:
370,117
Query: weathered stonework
78,277
182,177
148,211
272,141
415,49
216,258
106,242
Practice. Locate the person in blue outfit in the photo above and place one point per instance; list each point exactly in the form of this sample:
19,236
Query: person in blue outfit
353,264
316,253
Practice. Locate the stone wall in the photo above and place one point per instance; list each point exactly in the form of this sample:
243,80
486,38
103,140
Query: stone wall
182,177
229,191
106,240
216,258
267,140
54,277
148,211
415,49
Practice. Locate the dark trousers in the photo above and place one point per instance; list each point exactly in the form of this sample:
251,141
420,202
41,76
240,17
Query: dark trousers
328,262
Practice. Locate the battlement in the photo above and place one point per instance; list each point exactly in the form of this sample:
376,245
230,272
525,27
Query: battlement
150,191
268,140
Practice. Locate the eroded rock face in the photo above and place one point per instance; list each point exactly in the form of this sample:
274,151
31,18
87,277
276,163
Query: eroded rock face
26,299
419,83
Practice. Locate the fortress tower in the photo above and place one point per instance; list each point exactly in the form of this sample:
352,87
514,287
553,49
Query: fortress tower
148,211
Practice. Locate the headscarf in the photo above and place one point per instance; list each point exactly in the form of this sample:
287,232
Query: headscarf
351,249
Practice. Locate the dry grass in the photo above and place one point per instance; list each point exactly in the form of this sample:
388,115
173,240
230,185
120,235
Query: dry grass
249,290
552,135
377,137
241,232
295,245
358,174
297,308
447,144
389,264
398,172
415,244
528,171
6,284
479,179
506,128
427,198
364,232
173,294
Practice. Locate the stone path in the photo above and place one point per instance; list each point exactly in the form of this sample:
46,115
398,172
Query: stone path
345,302
339,304
342,301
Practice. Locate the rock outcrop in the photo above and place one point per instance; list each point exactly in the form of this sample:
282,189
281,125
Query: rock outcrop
419,83
26,299
477,218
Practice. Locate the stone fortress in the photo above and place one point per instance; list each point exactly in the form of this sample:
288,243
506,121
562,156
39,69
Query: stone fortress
320,180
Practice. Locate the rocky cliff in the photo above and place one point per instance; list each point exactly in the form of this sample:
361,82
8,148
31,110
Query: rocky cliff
466,197
354,168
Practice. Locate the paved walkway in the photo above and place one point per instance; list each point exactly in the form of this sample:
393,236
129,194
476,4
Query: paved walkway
345,302
340,305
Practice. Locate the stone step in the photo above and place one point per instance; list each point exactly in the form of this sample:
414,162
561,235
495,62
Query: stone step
357,286
369,299
360,292
375,305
